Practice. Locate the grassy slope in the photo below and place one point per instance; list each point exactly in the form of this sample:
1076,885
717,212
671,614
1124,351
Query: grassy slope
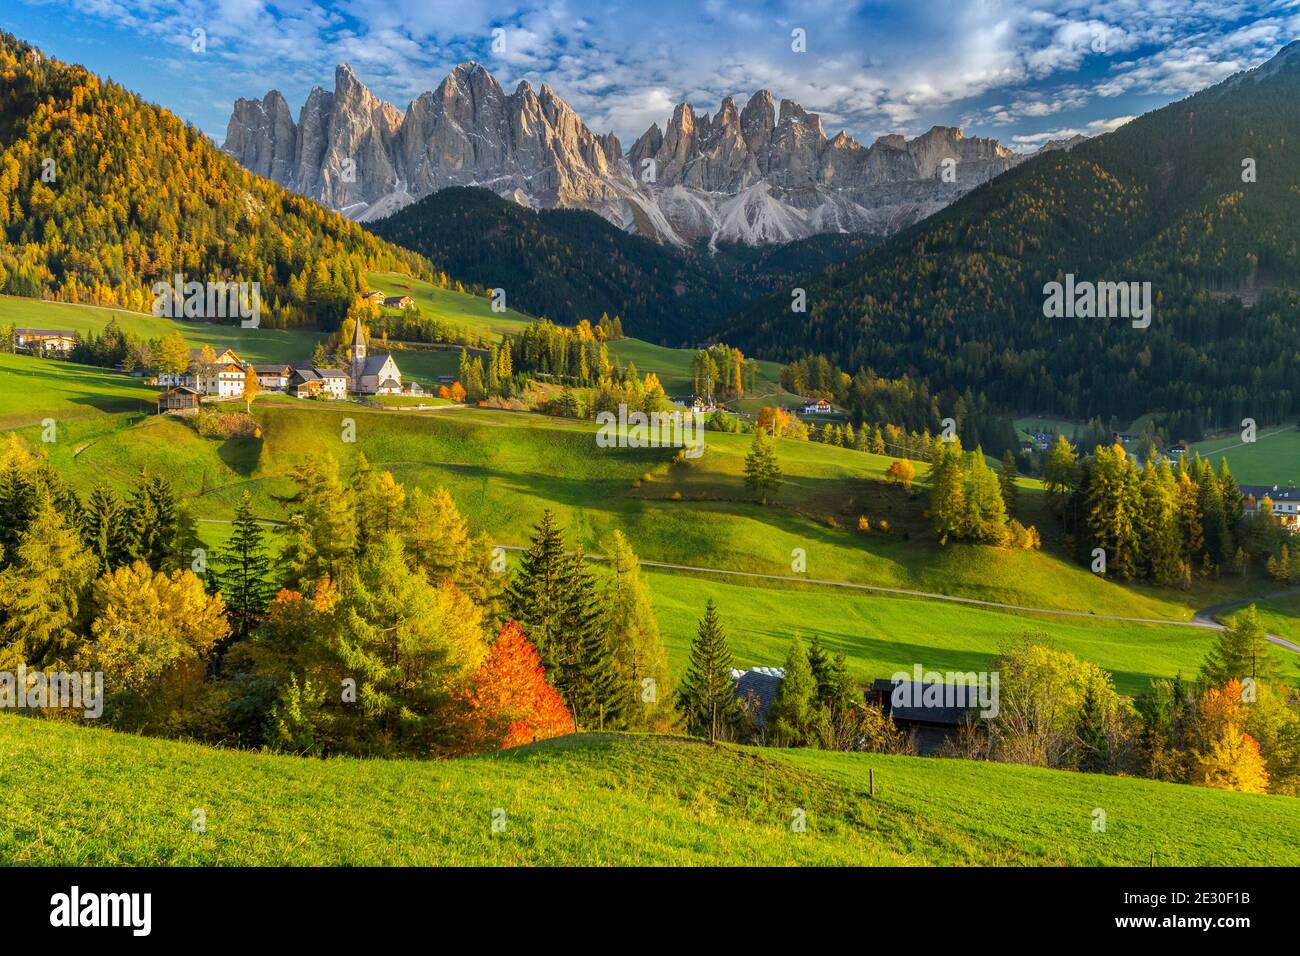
677,802
259,345
1281,615
1272,459
505,468
32,389
880,635
673,366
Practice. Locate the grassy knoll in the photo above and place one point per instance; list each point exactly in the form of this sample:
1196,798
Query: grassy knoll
678,802
1272,459
33,389
673,366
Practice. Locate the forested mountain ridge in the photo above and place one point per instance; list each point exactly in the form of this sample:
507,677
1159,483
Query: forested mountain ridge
571,264
102,195
1169,198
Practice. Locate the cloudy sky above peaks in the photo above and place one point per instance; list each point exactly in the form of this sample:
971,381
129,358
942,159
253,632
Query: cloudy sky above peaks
1024,71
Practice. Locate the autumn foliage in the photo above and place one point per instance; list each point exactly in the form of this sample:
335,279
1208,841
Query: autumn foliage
510,702
1229,758
902,473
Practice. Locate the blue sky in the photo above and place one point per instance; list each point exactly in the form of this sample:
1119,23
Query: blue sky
1022,70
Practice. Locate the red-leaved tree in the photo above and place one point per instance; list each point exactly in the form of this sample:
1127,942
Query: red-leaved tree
510,702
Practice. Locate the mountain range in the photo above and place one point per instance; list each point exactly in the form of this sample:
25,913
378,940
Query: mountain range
1197,200
766,173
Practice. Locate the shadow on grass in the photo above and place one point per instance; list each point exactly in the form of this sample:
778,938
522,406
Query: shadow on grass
241,455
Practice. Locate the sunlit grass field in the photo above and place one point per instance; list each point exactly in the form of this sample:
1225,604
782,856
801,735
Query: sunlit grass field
598,800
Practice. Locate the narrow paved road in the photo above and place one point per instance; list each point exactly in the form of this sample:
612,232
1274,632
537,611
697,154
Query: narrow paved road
1207,615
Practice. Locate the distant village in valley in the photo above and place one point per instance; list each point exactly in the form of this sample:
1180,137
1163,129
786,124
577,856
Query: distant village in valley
214,376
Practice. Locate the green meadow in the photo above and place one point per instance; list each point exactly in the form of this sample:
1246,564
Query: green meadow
673,366
32,390
1272,459
598,800
505,468
880,635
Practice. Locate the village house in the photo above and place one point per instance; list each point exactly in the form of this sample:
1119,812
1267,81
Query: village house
334,382
1286,503
222,380
819,407
375,298
274,378
694,403
197,375
305,383
398,302
39,341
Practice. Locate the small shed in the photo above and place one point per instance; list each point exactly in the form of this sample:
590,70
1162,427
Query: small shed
182,398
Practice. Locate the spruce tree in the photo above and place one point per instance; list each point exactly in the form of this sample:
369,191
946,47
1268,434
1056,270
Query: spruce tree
706,698
18,492
762,473
1214,520
104,528
1241,650
244,570
536,596
1090,731
586,678
790,717
821,666
1007,475
151,522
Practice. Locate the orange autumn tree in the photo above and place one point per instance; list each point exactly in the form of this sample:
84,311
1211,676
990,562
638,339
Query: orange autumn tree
775,421
1229,758
510,702
902,473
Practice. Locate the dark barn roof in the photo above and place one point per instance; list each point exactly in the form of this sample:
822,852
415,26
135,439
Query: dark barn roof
965,702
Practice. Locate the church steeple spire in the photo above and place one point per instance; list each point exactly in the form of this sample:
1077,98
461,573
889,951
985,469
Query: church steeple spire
358,355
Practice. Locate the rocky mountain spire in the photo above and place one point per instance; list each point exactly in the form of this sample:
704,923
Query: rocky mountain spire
763,173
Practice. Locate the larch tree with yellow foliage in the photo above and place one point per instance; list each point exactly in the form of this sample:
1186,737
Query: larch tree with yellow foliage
1228,758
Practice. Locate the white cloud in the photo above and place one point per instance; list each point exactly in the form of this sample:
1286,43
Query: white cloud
1095,128
872,67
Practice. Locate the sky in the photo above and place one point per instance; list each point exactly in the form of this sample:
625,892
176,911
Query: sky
1023,71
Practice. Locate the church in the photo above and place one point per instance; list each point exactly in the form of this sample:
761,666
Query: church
372,374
